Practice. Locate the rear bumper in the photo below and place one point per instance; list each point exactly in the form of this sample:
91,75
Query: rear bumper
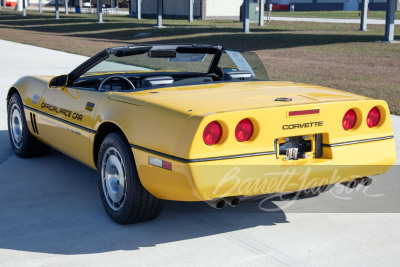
262,174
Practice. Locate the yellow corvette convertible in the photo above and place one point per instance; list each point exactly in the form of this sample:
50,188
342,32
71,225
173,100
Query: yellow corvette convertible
197,123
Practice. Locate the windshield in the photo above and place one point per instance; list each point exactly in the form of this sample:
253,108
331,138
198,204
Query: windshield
144,63
172,61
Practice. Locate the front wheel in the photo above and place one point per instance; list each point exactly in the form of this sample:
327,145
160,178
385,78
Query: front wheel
23,143
124,198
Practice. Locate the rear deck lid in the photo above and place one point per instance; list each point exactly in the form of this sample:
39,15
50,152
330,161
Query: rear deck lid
223,97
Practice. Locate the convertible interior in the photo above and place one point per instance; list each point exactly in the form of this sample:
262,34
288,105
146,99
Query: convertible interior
144,81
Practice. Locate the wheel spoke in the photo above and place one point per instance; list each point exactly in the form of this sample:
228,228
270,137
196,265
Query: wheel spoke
113,179
16,126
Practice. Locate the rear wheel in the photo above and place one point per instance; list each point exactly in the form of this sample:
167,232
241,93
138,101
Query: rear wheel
23,143
124,198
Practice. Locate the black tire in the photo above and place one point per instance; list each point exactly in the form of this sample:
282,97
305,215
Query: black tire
315,191
27,145
116,165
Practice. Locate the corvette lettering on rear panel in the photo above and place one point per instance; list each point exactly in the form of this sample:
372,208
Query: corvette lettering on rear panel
303,125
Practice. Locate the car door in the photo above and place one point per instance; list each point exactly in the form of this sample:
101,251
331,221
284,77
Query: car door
67,119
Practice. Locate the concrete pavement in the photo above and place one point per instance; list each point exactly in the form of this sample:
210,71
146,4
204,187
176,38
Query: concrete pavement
51,213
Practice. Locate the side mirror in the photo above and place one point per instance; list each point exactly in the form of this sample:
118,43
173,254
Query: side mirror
221,71
229,69
59,81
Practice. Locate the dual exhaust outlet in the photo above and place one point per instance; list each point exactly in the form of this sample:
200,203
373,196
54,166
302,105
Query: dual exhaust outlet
365,181
234,201
221,202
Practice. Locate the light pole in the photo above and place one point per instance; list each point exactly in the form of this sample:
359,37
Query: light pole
191,3
139,9
100,11
159,14
66,6
23,8
57,13
269,12
364,14
261,13
246,21
389,26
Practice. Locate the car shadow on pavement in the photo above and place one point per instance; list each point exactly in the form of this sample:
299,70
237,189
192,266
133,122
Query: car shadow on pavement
51,205
5,148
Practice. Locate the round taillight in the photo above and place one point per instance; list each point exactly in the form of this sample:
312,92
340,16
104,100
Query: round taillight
244,130
374,116
349,119
212,133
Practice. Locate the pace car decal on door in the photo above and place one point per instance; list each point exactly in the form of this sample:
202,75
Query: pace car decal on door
62,111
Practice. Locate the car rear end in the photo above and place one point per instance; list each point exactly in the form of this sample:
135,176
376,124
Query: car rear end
282,148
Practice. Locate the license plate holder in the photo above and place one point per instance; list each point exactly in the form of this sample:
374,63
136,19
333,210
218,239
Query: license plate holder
298,147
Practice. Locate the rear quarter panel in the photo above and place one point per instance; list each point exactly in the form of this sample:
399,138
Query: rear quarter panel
149,125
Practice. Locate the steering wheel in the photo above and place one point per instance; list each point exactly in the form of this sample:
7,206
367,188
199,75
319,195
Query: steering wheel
115,77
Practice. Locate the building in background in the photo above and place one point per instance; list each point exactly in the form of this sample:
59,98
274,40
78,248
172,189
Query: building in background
219,9
203,9
82,3
230,9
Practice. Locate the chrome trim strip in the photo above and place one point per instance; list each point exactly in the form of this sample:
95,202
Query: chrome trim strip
64,121
359,141
202,159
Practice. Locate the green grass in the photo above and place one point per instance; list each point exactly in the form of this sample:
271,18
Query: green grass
331,14
333,55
